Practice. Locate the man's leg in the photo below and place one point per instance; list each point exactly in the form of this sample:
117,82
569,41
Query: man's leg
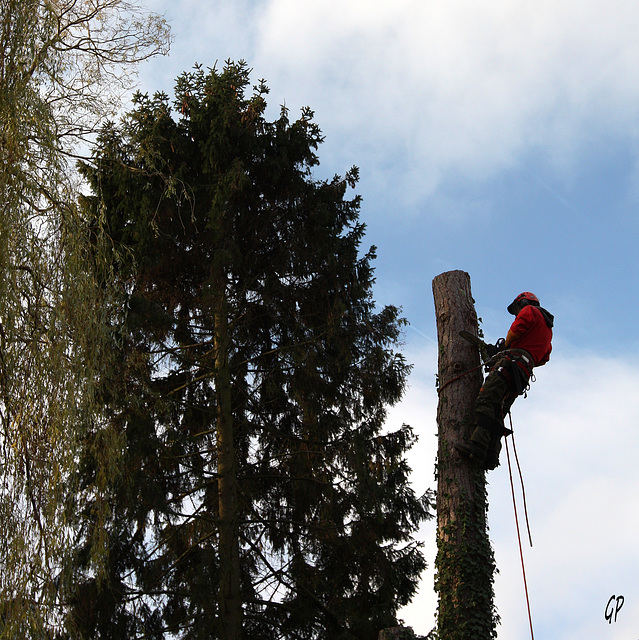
484,444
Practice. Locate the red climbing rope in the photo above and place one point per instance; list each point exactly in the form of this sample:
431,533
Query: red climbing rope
521,480
521,553
459,377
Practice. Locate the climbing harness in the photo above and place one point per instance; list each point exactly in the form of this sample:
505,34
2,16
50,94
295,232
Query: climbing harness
522,377
512,487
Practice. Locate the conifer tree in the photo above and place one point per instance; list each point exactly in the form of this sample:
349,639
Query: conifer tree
259,495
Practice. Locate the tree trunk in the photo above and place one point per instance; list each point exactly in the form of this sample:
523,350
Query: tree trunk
465,562
230,603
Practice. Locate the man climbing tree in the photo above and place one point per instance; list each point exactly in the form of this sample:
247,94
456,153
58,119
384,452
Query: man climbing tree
527,345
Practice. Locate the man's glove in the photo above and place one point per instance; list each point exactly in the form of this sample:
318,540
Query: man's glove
494,349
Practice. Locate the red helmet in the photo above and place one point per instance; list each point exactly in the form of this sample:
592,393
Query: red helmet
530,298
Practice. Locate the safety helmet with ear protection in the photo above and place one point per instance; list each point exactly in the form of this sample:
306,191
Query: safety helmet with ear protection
526,297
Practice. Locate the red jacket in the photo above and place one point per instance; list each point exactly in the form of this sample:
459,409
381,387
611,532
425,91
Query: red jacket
532,331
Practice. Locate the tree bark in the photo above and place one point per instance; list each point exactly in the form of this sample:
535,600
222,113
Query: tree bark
465,563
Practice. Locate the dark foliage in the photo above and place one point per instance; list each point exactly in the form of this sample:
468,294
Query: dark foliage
247,311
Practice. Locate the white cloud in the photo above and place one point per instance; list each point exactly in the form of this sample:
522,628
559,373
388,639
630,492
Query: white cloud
457,87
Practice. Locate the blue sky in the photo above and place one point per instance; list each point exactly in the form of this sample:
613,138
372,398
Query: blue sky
500,138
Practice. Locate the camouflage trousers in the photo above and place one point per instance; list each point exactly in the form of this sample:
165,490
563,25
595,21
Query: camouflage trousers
505,381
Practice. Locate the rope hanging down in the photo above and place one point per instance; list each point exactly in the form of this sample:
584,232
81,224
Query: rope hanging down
512,487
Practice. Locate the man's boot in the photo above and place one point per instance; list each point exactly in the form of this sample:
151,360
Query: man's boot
484,444
477,447
472,451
